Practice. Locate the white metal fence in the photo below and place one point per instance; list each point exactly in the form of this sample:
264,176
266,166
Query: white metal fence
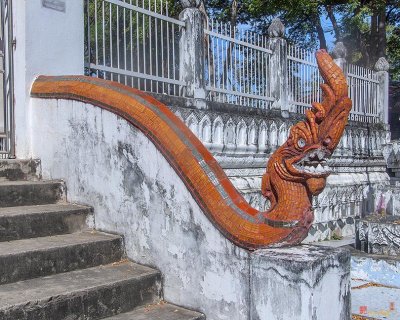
304,85
363,90
238,62
7,147
137,43
134,42
303,78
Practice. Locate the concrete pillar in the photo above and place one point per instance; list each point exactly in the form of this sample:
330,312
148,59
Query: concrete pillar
49,38
382,68
278,66
192,59
302,282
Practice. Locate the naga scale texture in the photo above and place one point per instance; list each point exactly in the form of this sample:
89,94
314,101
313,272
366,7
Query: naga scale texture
295,172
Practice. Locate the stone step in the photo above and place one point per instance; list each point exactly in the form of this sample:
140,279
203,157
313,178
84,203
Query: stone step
25,193
17,169
42,220
92,293
37,257
160,311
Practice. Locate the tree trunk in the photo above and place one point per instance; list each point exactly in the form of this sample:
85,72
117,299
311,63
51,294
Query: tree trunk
320,31
234,14
378,34
381,33
331,15
373,39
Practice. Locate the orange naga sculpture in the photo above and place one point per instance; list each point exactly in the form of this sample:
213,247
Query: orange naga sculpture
295,172
298,169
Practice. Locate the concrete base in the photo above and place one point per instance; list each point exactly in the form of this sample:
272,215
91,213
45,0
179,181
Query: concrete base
379,234
305,282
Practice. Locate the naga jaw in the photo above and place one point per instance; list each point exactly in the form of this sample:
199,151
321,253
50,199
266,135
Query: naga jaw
313,164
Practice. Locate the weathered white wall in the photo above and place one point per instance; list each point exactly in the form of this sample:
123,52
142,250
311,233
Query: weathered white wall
304,282
134,191
48,42
113,167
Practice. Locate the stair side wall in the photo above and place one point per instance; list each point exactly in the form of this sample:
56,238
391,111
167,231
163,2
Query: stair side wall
112,166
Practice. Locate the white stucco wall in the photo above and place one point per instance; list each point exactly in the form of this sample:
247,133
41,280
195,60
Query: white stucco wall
48,42
113,167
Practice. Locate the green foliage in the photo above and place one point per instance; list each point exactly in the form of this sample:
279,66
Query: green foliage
394,51
336,236
369,28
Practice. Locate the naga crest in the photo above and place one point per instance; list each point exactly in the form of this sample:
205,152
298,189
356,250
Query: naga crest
301,162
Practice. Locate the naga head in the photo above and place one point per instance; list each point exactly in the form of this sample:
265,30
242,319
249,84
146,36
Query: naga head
303,157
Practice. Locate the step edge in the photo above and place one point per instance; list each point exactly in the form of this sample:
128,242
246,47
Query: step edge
66,245
148,274
20,211
196,315
30,182
64,295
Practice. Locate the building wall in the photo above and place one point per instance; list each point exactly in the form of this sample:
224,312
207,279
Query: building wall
49,42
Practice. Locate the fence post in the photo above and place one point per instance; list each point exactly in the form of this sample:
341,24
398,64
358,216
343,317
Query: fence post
339,54
192,59
278,76
382,67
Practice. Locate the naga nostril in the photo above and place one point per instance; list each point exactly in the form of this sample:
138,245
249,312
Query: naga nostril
326,142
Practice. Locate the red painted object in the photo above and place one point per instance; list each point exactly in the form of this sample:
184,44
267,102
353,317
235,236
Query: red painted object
363,310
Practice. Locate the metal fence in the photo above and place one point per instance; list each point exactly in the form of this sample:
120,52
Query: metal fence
134,42
303,78
237,66
304,85
7,135
363,90
137,43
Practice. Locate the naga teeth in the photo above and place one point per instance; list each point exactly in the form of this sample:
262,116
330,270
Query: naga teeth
313,167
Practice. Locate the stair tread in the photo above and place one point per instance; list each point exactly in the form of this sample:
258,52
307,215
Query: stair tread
160,311
28,182
63,284
43,208
53,242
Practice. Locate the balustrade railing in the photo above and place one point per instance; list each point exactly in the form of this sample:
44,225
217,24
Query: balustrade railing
134,42
303,78
137,43
237,66
363,90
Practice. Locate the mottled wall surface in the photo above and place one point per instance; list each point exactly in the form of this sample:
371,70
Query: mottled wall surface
112,166
315,280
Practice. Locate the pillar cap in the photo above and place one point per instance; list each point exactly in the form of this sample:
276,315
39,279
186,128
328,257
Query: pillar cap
382,64
276,29
190,3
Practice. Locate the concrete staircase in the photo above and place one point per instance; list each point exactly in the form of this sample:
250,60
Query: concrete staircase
52,267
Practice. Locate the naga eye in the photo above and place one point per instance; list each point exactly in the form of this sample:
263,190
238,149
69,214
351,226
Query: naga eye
301,143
